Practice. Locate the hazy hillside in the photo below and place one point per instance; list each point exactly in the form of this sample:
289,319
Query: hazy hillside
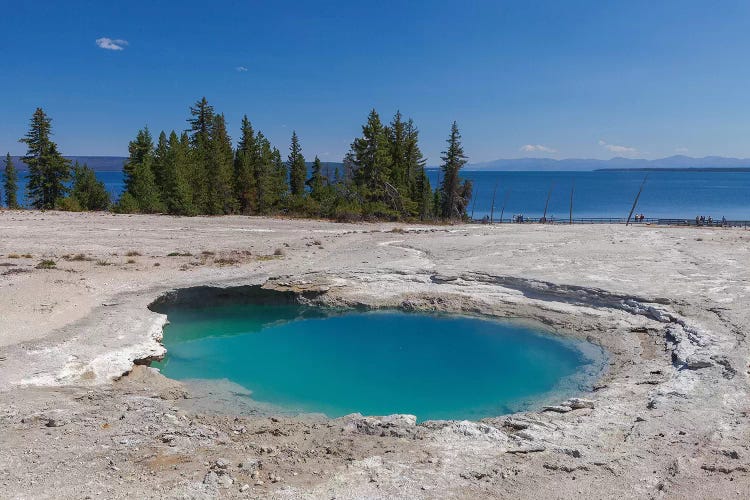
672,162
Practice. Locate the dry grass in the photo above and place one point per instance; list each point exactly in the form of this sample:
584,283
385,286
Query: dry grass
102,262
80,257
179,254
133,253
46,264
130,261
14,256
226,261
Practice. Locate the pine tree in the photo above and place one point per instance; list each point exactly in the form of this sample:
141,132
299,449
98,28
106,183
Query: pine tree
453,193
297,168
423,195
48,170
220,173
398,143
10,183
278,185
246,159
176,194
159,164
371,160
201,124
317,180
415,161
88,191
140,185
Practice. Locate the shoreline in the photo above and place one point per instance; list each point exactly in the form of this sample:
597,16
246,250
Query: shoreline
677,368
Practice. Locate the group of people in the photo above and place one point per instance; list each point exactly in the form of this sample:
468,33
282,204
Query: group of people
639,217
701,220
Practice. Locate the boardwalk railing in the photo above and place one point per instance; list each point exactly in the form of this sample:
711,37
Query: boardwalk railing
620,220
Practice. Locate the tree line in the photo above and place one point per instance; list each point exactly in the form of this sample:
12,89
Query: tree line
199,171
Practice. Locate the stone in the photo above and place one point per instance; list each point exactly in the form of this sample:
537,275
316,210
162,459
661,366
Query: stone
244,488
558,408
221,464
580,403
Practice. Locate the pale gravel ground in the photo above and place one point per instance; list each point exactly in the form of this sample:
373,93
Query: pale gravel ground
670,304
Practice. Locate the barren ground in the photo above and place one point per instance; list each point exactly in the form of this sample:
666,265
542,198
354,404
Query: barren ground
669,419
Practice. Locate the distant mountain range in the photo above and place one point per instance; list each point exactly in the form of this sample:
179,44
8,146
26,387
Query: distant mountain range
678,162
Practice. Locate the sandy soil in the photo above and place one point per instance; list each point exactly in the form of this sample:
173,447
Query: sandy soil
670,419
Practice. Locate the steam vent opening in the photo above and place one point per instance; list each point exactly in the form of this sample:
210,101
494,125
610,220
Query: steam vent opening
295,358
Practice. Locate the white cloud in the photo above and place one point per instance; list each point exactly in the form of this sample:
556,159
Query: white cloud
681,150
109,44
537,148
241,69
620,150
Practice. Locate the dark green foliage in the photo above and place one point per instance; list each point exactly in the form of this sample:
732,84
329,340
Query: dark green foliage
220,170
454,194
139,175
246,160
383,174
87,191
297,169
176,192
370,161
48,170
10,183
317,181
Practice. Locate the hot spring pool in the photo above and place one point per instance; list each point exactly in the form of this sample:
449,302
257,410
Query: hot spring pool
303,359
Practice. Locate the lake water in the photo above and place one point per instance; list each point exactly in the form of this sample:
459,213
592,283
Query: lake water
597,194
303,359
611,194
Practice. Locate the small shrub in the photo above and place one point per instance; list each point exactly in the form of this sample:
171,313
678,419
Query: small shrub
156,264
130,261
179,254
133,253
14,256
27,256
127,204
279,252
226,261
80,257
69,204
102,263
207,252
46,264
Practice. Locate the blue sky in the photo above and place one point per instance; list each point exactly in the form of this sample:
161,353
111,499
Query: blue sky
550,78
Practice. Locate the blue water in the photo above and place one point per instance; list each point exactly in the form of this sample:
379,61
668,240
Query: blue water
113,181
376,363
611,194
597,194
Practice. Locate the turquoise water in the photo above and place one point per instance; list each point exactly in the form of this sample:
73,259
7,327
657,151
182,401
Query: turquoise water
375,363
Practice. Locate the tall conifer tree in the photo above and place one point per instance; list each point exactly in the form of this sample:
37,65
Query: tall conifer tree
454,195
246,160
297,169
317,180
10,183
220,171
141,191
48,170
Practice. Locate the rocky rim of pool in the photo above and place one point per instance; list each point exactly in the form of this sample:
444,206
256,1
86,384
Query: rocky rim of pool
294,357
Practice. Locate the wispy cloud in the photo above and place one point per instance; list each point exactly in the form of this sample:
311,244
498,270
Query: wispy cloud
537,148
681,150
110,44
241,69
620,150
